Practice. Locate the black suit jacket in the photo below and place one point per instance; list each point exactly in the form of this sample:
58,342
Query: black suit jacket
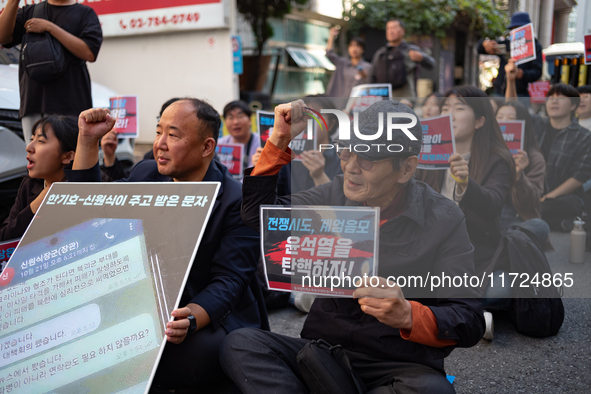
222,279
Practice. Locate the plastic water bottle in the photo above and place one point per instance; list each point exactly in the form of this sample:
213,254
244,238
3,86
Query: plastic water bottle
578,237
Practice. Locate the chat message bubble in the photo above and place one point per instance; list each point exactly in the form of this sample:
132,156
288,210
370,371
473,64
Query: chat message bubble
44,336
83,357
71,285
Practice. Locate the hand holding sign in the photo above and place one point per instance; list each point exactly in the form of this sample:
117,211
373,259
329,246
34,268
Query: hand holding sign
511,70
459,170
290,121
386,303
521,163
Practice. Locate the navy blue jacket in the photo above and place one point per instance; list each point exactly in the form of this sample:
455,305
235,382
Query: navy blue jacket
222,279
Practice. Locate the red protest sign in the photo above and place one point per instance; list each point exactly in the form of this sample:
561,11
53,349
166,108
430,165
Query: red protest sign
537,91
124,109
523,47
231,156
438,143
513,131
6,250
588,49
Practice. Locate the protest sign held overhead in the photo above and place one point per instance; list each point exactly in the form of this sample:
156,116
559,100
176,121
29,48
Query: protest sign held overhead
265,122
523,48
363,96
438,143
230,155
124,109
89,289
319,250
513,131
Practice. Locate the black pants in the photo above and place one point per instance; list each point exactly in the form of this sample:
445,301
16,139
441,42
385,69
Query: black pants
555,210
264,362
193,362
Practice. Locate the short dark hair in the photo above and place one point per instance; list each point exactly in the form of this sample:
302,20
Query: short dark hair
359,41
65,129
400,22
584,89
232,105
167,104
566,91
206,113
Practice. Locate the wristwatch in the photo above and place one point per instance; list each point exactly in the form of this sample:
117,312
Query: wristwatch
192,324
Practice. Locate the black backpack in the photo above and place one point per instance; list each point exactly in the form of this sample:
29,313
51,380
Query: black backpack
42,56
537,310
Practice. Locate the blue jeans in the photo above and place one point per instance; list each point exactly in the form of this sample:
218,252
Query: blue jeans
539,227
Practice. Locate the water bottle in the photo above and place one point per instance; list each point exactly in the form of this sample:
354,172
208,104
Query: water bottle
578,237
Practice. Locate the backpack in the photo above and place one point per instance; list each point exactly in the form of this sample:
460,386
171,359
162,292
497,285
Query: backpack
391,68
42,56
537,310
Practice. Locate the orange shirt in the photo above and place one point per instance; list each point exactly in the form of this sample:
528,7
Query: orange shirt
424,323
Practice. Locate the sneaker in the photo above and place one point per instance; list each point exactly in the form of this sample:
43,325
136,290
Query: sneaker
302,301
490,327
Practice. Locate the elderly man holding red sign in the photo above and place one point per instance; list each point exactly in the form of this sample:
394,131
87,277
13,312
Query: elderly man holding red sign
392,339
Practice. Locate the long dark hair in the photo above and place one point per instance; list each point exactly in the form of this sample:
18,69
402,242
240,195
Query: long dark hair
529,143
487,141
65,129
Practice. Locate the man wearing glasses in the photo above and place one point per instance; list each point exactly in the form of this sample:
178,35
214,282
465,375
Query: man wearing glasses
395,339
237,119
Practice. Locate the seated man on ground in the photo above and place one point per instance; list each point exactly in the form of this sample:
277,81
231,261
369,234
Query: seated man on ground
394,339
222,293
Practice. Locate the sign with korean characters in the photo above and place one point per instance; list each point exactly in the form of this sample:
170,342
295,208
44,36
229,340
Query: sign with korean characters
129,17
237,60
319,250
87,293
513,132
363,96
230,155
587,42
265,122
6,250
438,143
523,47
125,110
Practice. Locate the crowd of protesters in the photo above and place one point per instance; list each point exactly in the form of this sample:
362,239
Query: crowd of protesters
450,221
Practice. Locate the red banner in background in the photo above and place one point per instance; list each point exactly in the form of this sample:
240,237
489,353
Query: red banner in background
105,7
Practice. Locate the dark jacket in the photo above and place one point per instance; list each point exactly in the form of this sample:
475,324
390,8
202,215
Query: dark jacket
570,153
21,215
482,204
429,236
532,71
222,279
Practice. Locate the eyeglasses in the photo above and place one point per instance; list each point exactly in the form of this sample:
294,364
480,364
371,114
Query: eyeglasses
233,118
345,155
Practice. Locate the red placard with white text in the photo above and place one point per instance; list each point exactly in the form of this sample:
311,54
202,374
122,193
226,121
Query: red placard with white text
537,91
6,250
513,131
523,47
231,155
124,109
438,143
587,49
130,17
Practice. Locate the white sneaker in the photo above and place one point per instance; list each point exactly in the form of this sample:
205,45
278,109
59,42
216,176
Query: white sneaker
490,327
303,301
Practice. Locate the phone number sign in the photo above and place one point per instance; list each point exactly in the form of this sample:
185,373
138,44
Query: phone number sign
130,17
